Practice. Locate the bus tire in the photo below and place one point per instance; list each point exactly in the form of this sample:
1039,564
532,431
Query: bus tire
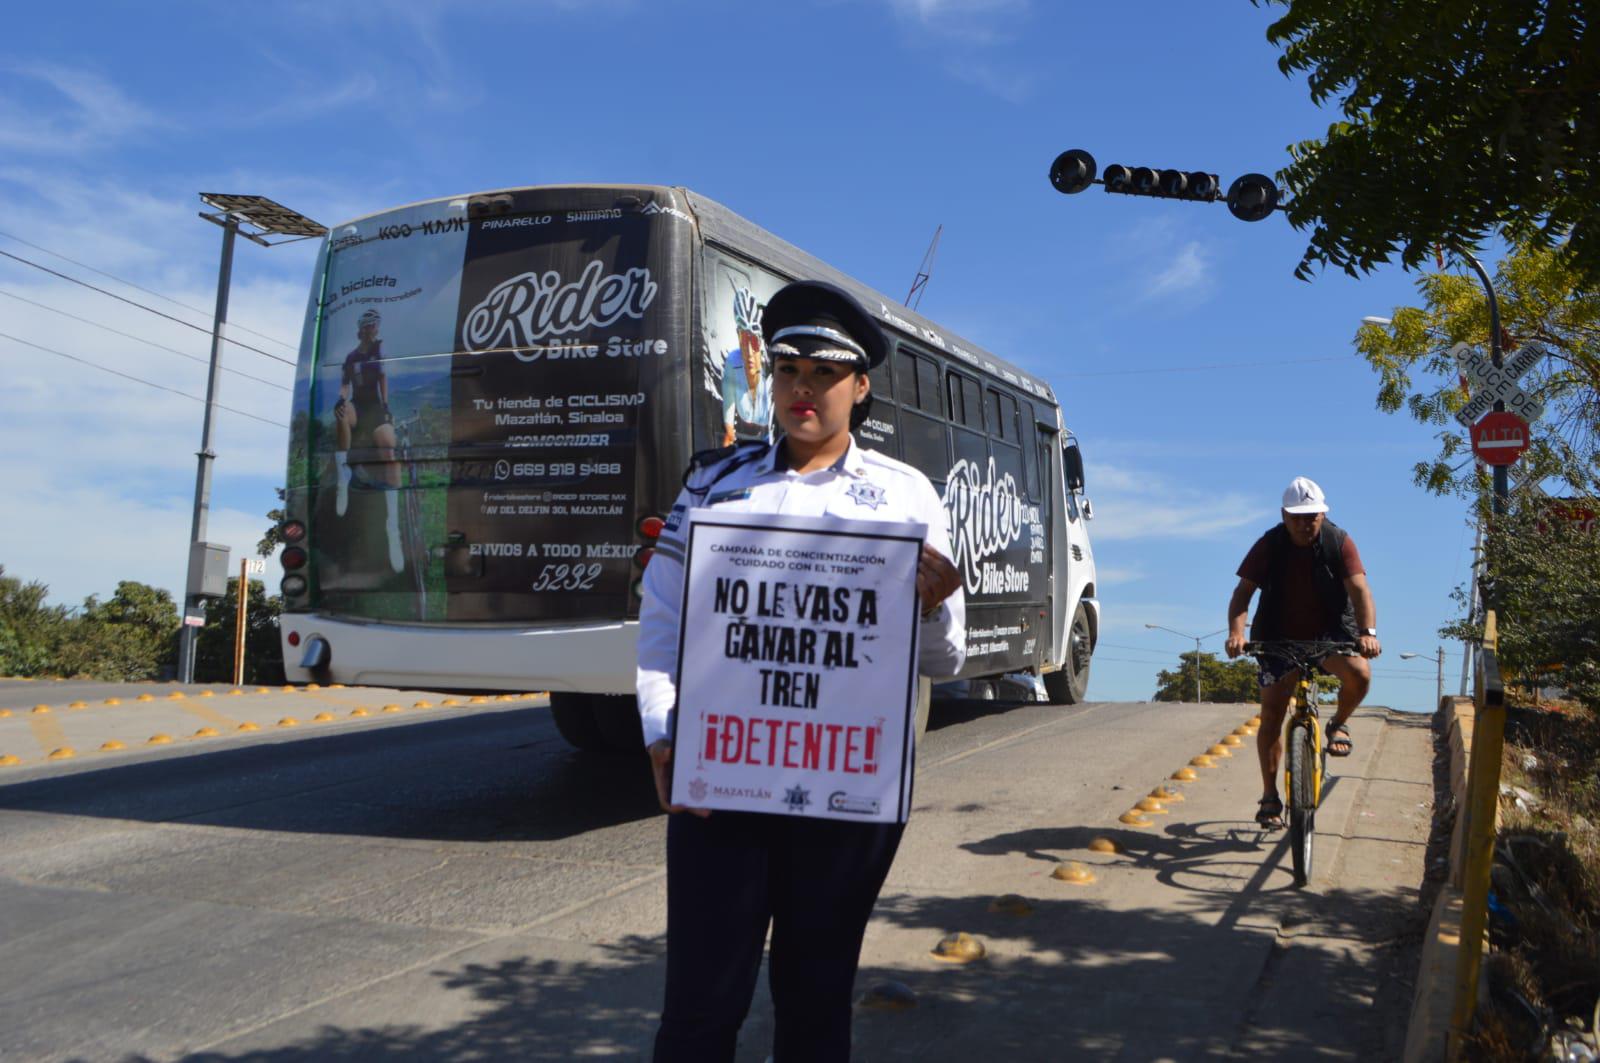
618,719
1068,684
577,721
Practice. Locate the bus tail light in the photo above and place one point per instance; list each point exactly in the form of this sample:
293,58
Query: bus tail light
294,557
293,638
643,555
650,527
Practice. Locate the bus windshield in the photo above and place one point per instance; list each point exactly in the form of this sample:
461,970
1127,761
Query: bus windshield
470,399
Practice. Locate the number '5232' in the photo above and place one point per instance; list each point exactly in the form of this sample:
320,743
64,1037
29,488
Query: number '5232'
567,577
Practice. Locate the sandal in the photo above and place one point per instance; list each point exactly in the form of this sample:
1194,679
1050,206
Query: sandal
1339,744
1269,815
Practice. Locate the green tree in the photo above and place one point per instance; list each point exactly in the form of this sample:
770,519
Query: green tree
132,635
273,538
1542,303
31,632
1220,681
263,655
1461,119
1546,582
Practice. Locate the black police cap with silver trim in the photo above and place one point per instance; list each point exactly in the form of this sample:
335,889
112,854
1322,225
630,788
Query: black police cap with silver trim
815,319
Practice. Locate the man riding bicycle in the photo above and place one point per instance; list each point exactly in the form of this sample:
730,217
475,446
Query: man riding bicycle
1313,587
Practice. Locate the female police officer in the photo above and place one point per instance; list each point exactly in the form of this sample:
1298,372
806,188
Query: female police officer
730,873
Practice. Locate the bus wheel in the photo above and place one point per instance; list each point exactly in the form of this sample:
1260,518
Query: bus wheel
618,717
1068,684
577,720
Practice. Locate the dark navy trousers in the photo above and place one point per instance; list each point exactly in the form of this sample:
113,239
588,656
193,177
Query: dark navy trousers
728,876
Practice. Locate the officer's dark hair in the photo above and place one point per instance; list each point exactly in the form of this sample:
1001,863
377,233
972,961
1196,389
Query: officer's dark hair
861,410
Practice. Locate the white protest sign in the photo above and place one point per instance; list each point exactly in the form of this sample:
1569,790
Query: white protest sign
797,666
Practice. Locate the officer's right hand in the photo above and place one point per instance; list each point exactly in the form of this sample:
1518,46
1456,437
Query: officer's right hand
661,765
1234,645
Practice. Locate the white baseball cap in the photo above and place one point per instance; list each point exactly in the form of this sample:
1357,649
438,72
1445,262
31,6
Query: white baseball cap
1304,496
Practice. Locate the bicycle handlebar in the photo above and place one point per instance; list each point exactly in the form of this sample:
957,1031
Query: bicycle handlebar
1301,651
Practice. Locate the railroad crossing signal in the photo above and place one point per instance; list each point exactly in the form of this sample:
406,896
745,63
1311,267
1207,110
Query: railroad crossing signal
1500,438
1489,385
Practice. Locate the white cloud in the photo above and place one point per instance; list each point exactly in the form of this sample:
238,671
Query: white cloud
1131,504
975,21
83,112
1185,272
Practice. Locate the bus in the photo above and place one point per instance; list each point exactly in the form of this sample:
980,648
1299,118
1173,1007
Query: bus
497,395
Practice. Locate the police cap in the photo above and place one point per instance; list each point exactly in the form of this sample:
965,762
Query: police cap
815,319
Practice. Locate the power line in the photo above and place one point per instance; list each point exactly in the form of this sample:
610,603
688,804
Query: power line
1202,368
141,306
147,291
141,339
135,379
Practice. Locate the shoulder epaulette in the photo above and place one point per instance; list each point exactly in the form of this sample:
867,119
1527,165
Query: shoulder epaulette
722,460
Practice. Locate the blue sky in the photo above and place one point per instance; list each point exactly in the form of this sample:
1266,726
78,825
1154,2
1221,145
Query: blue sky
1198,373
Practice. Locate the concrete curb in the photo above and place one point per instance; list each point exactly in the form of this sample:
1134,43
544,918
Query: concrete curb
1428,1032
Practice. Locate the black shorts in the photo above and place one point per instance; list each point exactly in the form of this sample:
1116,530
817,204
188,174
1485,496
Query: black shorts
1270,668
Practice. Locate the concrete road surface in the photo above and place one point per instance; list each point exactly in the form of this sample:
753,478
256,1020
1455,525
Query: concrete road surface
465,887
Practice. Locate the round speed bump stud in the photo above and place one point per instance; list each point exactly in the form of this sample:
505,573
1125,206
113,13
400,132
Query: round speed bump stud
1254,721
392,708
208,693
1232,740
205,732
9,759
960,947
40,710
479,700
1073,872
113,701
1134,818
145,697
235,692
288,721
1202,761
4,713
1166,793
1151,806
449,703
1219,751
177,695
158,740
78,705
1011,904
1185,775
1104,845
63,753
248,726
888,996
359,710
422,705
322,717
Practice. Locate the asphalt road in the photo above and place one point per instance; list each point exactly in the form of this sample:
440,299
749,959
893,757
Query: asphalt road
460,884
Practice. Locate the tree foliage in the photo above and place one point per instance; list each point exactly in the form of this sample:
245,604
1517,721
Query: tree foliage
1230,681
1543,303
1545,581
31,632
132,635
1461,119
263,655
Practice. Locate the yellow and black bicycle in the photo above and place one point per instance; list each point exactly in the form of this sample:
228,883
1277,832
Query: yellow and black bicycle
1304,759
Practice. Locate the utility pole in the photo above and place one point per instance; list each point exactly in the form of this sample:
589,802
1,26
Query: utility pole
1197,638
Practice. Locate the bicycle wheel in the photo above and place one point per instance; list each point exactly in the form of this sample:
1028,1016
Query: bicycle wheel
1302,798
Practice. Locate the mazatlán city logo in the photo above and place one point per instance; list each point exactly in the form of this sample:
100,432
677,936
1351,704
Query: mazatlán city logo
531,306
985,515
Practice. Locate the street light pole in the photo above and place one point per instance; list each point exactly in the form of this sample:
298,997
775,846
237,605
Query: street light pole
1438,658
255,218
1197,638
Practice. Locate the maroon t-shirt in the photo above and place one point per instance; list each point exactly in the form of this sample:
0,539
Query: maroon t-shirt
1302,611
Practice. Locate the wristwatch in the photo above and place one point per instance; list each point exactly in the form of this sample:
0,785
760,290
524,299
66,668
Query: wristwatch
1370,632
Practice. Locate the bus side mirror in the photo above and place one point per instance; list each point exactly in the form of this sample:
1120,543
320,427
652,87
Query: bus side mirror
1074,466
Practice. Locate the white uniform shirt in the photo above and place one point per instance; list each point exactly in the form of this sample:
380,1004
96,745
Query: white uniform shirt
862,485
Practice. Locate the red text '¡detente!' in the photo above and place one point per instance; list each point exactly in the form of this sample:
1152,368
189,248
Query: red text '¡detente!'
848,748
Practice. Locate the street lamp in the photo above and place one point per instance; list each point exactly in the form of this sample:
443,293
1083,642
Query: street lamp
255,218
1438,659
1197,638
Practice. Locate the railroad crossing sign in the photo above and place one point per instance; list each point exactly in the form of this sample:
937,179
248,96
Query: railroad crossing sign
1500,438
1489,384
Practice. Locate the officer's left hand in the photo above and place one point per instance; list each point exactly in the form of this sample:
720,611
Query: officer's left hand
937,578
1368,645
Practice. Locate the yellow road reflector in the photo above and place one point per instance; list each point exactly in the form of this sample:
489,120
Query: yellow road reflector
335,686
288,721
1243,729
322,717
1073,872
113,701
263,690
1151,805
208,693
9,759
248,726
1232,740
64,753
158,740
78,705
205,732
1202,761
1185,775
1104,845
1219,751
288,688
41,709
111,746
478,700
509,697
145,697
960,947
313,686
1164,793
888,996
177,695
4,713
1134,818
449,702
392,708
1011,904
359,710
1254,721
235,692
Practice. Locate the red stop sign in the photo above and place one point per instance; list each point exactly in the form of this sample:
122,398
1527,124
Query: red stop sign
1500,438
